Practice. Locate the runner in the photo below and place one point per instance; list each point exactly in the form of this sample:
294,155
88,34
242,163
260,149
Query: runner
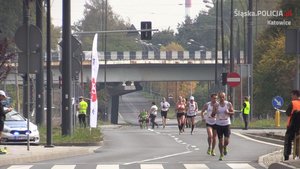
143,119
192,110
210,123
222,111
164,107
153,114
180,109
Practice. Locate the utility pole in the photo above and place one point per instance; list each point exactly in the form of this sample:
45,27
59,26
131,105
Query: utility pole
222,38
250,57
216,45
49,78
25,79
231,49
39,107
66,70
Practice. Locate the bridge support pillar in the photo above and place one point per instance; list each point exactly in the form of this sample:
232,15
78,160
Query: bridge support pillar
114,109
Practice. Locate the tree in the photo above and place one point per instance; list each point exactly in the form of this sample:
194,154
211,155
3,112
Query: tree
11,17
94,20
163,37
6,56
274,72
273,75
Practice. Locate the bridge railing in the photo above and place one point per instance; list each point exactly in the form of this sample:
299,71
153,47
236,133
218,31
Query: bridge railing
158,55
155,57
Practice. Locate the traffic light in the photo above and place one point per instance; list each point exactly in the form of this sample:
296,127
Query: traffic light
146,35
224,79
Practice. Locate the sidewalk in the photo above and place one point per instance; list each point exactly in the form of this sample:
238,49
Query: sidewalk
18,154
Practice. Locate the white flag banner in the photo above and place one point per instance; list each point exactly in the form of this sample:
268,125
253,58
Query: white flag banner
94,69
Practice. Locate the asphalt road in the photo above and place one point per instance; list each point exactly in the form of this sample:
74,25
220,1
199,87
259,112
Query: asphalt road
129,147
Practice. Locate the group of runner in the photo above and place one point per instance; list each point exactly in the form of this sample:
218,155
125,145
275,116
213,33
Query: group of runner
145,117
217,117
215,113
186,113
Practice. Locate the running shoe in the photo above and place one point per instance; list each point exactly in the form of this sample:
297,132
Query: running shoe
213,153
225,151
208,151
3,151
221,158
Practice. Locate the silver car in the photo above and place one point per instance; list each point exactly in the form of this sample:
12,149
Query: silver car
15,129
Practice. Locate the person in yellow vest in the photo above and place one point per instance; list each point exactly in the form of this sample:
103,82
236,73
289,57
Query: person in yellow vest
82,109
246,111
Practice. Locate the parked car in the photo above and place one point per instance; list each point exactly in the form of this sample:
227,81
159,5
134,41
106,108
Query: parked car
15,129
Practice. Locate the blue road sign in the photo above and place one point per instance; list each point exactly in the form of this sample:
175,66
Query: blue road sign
277,102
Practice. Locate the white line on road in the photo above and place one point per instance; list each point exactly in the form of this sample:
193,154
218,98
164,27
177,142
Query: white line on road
107,167
20,167
238,134
151,166
195,166
240,166
63,167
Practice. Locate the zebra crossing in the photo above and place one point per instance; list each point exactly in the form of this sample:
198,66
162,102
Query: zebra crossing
138,166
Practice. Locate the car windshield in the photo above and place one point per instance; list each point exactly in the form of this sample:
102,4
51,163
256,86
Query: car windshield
14,116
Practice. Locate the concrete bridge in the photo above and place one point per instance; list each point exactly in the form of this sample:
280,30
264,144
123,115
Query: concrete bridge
141,66
147,66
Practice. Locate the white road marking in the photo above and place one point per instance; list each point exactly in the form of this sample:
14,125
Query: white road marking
63,167
195,166
107,167
240,166
158,158
152,166
238,134
20,167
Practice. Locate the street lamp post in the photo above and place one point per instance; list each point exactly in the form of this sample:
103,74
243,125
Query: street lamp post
216,45
216,38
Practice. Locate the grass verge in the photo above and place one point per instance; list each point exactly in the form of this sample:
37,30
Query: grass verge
79,136
254,123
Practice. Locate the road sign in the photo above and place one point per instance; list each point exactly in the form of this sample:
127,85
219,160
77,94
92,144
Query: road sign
277,102
233,79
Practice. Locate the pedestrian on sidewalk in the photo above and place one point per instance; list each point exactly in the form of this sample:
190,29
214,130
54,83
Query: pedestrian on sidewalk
192,110
245,111
211,127
2,117
292,112
153,114
164,107
222,111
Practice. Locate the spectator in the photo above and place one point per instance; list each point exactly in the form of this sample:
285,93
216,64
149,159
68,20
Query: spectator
2,117
246,110
82,108
292,110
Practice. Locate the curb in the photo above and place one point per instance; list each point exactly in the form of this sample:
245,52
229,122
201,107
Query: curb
281,165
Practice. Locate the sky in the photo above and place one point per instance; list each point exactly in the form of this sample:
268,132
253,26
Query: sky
162,13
